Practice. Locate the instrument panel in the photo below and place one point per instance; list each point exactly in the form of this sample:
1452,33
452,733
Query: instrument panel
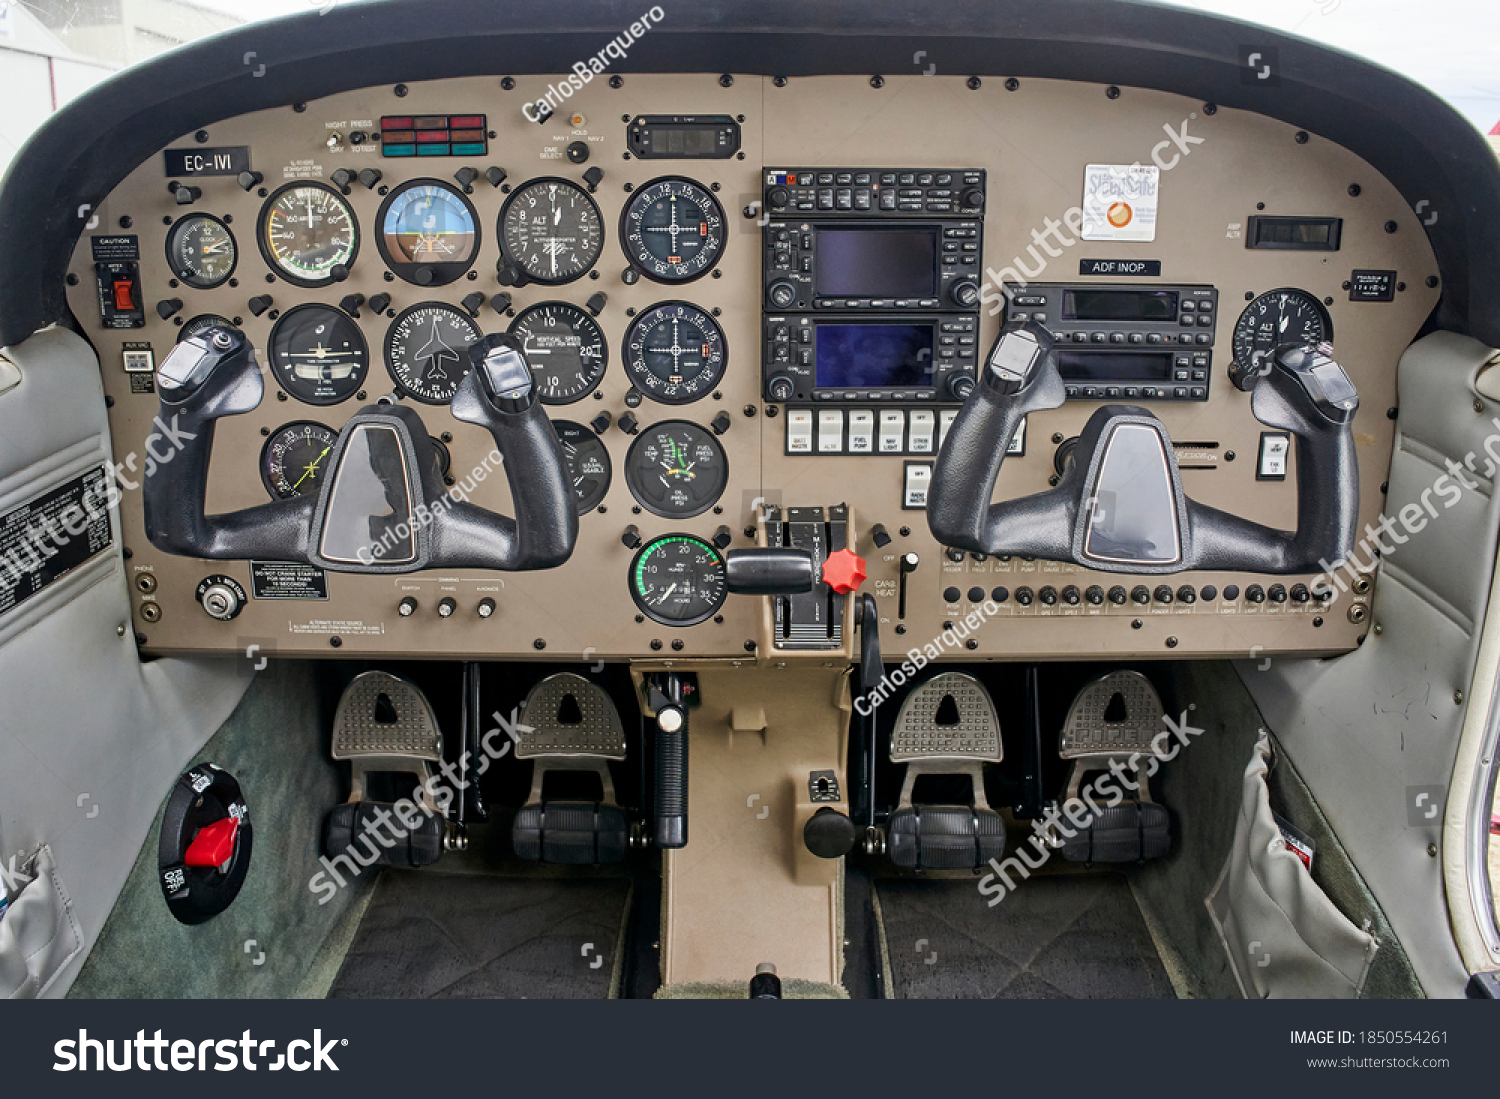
715,330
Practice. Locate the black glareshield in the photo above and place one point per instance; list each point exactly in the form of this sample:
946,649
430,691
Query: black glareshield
1119,506
384,508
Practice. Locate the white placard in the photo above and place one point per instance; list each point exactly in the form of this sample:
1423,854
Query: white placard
1119,201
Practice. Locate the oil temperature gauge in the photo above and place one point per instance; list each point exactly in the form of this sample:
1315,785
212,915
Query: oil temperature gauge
676,469
678,580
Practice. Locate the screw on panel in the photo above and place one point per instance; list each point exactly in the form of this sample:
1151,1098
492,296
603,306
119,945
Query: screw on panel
1354,190
1301,137
1112,92
877,81
974,83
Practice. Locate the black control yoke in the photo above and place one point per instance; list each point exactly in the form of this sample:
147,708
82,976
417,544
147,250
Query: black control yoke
1120,506
383,507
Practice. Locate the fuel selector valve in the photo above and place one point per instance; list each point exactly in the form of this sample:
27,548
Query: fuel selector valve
1119,506
383,509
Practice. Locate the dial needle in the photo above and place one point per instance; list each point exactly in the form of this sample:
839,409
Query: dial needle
312,467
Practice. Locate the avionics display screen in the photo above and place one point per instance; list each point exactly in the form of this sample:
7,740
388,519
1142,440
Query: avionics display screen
1115,366
1119,305
874,356
876,262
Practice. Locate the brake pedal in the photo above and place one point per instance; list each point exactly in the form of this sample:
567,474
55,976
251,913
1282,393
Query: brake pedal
569,723
1114,719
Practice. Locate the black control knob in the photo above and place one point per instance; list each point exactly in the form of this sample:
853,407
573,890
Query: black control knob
168,307
1117,595
248,181
510,275
631,537
1162,594
720,423
1186,594
369,177
495,175
486,607
630,276
1071,595
350,303
1140,594
782,294
500,302
465,176
629,424
407,607
633,397
472,302
423,276
577,152
601,422
829,834
596,303
1094,595
1255,594
1000,594
258,304
880,536
593,177
186,195
1300,593
954,555
952,595
446,607
343,178
778,197
780,388
380,302
964,293
1024,596
1048,595
972,199
338,272
1277,594
960,386
722,537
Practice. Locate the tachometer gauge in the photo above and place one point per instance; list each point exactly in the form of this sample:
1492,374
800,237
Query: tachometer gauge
318,354
1275,318
675,352
678,580
199,323
565,348
294,459
427,350
201,251
676,469
588,463
306,231
673,230
551,231
429,233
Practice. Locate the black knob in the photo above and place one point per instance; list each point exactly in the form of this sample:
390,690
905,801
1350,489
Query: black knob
500,302
780,388
446,607
186,195
829,834
1140,594
369,177
1232,591
338,272
596,302
472,302
973,198
495,175
578,152
465,176
258,304
1117,595
909,562
630,276
510,275
778,197
631,538
407,607
960,386
1277,593
350,303
593,177
1048,595
633,397
720,423
1186,594
342,178
629,424
1210,593
601,422
1000,595
1071,595
1255,594
248,181
1300,593
722,537
952,595
380,302
423,276
1163,593
782,294
965,293
1243,376
1024,596
167,307
1095,595
880,536
486,607
954,555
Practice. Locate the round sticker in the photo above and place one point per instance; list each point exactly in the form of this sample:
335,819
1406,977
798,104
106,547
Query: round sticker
1119,214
